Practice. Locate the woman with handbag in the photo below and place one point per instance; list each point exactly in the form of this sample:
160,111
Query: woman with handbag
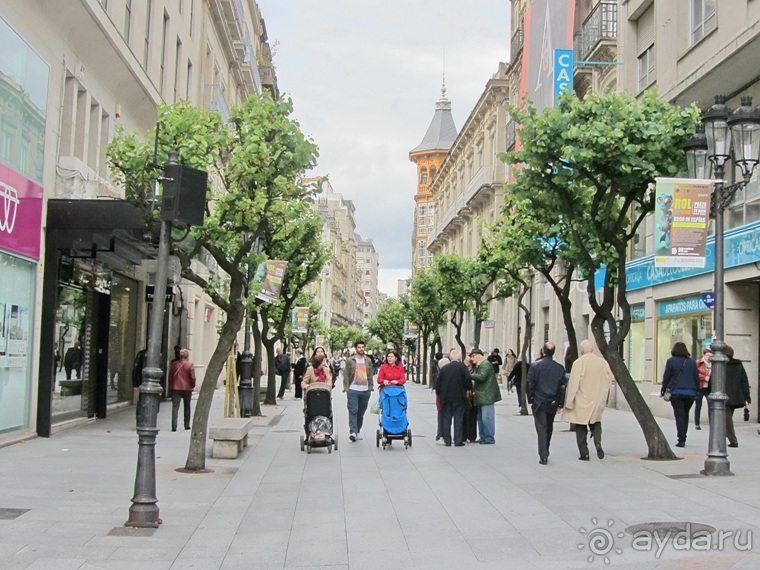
680,383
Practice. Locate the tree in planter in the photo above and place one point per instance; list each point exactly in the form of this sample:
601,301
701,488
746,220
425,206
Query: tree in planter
424,308
388,323
255,164
589,164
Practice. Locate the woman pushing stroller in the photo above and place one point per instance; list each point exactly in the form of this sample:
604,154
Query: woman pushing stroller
318,373
392,372
318,418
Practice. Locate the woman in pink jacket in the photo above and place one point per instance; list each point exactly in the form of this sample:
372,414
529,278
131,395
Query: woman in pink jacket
181,383
392,371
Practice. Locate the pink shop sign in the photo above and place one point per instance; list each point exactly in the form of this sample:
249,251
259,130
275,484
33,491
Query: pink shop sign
20,213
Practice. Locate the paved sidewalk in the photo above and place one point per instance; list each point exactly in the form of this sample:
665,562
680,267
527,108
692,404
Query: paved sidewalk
362,507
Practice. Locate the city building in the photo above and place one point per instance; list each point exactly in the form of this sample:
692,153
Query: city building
368,262
428,156
76,264
338,290
402,287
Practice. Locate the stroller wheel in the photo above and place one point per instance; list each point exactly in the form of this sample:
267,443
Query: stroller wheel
335,442
329,449
377,438
409,436
308,449
302,443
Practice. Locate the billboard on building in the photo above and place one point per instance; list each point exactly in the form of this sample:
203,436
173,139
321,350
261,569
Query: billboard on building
681,217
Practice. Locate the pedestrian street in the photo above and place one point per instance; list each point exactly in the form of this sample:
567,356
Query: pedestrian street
430,506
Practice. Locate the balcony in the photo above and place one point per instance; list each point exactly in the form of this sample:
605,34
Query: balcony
599,30
215,101
517,43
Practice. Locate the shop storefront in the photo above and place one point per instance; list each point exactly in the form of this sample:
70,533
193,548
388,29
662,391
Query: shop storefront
686,320
637,343
23,104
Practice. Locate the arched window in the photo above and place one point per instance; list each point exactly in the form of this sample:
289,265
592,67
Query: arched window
432,173
423,175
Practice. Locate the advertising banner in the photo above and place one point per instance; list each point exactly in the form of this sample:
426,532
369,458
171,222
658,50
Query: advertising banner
682,213
300,322
20,213
563,72
273,274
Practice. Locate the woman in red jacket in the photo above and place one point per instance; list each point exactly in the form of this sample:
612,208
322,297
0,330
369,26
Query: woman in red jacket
392,371
181,383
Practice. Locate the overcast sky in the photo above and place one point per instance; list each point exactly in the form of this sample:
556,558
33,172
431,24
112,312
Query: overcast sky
364,76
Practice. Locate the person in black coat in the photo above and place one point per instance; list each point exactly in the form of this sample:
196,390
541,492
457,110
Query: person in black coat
451,387
515,379
73,360
737,390
546,394
681,379
299,369
282,367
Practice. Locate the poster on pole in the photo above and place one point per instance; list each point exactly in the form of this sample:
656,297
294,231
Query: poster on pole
300,322
273,274
681,217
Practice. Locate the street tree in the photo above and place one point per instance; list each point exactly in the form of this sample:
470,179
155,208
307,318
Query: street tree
589,164
255,163
452,273
388,323
341,338
424,308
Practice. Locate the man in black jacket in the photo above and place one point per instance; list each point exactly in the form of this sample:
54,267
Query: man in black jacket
546,394
451,386
299,369
737,390
282,367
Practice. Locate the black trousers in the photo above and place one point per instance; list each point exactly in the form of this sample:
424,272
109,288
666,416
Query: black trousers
181,396
581,436
701,393
453,411
283,385
470,423
544,423
299,390
681,406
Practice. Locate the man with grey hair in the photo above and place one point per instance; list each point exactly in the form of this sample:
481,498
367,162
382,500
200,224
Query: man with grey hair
586,398
451,387
546,387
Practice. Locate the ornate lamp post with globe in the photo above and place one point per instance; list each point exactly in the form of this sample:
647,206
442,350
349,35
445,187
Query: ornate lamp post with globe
722,127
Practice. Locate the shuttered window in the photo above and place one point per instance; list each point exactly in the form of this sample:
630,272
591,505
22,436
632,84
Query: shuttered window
645,31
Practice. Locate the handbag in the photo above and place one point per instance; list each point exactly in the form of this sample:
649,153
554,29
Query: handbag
746,414
374,407
666,395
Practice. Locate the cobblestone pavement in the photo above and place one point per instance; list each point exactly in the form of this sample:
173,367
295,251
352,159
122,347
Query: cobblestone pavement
63,500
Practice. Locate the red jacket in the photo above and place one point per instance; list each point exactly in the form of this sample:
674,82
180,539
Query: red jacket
182,375
388,372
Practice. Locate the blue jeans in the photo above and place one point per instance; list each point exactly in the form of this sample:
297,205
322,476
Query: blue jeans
357,406
487,423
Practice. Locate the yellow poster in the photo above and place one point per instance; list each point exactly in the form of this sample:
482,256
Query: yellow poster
681,218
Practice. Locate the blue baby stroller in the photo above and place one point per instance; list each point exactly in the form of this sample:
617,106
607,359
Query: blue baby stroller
393,421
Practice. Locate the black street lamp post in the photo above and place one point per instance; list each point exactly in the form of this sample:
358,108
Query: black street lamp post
720,127
245,386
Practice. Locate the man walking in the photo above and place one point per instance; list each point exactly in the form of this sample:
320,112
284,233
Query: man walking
73,361
545,390
487,393
299,369
587,393
495,359
282,367
357,382
451,388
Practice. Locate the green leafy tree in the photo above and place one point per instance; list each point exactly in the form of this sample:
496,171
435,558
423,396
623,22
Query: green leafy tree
588,164
452,273
388,323
341,338
423,307
255,164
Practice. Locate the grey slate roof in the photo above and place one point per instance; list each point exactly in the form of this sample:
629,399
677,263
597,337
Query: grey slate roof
442,132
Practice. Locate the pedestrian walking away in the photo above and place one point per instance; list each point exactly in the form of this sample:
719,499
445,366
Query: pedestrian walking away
452,385
586,398
181,383
704,369
681,382
72,360
435,369
282,367
358,385
546,393
495,359
486,394
737,390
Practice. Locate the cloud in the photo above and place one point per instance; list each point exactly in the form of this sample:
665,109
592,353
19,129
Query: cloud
364,77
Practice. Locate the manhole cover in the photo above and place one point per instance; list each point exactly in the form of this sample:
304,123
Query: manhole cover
131,531
11,514
669,530
286,430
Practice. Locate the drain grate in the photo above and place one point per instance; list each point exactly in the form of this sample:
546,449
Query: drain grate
687,476
131,531
286,430
669,530
11,514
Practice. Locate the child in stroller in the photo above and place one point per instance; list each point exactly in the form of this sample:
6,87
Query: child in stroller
318,419
393,420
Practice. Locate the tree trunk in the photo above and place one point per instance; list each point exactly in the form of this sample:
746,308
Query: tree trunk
476,336
271,398
567,317
524,352
458,334
423,370
196,455
256,367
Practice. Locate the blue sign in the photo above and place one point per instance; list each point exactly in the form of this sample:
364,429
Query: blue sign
563,72
709,300
638,313
682,306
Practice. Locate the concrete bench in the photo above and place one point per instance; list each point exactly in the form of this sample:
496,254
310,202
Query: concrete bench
230,436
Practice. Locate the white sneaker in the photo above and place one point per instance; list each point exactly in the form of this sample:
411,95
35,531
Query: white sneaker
440,442
352,437
359,437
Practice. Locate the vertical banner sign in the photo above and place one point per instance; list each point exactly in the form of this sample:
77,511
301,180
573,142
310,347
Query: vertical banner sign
300,323
681,216
272,283
563,72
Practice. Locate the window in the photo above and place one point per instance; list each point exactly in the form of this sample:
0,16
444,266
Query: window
192,13
423,175
703,19
177,57
422,215
163,52
431,220
189,81
645,36
745,207
146,52
127,19
420,253
432,173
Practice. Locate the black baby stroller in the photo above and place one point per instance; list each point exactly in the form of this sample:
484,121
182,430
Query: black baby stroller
318,419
